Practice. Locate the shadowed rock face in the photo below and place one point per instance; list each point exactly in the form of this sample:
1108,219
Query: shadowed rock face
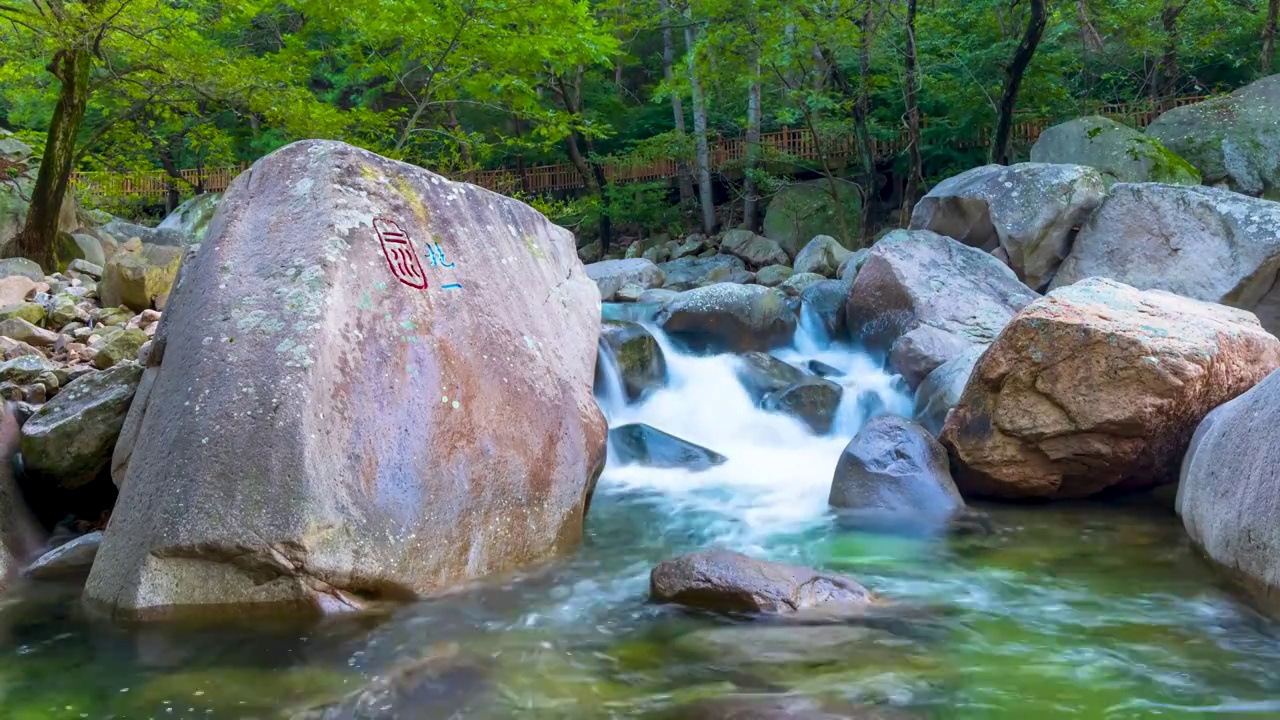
893,467
322,432
1098,386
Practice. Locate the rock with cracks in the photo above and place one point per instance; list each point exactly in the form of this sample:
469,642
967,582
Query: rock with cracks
1099,386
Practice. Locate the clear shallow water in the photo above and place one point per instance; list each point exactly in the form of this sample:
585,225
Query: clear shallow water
1069,611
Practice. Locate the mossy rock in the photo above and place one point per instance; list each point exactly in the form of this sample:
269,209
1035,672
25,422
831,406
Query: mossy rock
24,369
29,311
798,213
1118,152
118,346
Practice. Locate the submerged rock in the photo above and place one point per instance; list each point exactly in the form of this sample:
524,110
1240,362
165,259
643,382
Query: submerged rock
732,317
70,439
893,467
918,278
1229,496
1099,386
642,444
782,707
1119,152
1029,210
1203,243
640,360
730,582
330,428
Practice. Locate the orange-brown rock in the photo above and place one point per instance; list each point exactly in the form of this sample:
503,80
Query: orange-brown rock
373,383
1099,386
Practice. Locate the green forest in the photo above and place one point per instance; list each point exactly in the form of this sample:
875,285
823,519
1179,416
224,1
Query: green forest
461,85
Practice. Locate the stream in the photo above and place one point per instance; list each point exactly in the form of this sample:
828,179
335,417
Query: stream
1097,610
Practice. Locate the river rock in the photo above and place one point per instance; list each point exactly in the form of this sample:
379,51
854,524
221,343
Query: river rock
730,582
941,389
1229,495
1030,210
69,440
795,285
893,467
18,329
642,444
192,217
372,433
16,289
791,706
773,275
640,360
726,316
812,400
1232,139
755,250
30,311
684,273
849,268
923,350
1205,243
21,267
70,560
761,374
823,255
117,346
125,231
1118,152
1099,386
918,278
611,275
799,212
136,278
25,368
826,302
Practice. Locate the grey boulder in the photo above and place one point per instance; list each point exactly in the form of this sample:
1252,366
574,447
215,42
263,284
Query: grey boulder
755,250
640,444
727,316
612,275
730,582
1119,152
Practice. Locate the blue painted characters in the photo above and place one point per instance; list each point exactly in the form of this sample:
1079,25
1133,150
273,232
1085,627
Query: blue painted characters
435,256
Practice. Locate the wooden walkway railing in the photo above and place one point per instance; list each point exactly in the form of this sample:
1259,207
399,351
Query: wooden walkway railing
725,154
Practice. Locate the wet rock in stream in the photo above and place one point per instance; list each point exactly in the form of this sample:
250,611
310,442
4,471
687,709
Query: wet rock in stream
730,582
645,445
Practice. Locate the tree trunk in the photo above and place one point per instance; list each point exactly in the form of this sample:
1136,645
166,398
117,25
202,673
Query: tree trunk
1169,72
751,192
1001,151
861,111
705,198
35,240
1088,33
683,179
1269,36
915,169
171,195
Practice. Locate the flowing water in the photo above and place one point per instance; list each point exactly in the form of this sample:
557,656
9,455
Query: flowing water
1068,611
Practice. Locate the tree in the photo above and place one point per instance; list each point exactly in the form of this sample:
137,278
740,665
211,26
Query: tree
684,179
1269,35
911,119
706,200
1000,151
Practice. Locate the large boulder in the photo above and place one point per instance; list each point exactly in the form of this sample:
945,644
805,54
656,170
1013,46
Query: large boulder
799,212
1119,152
755,250
1099,386
918,278
639,358
1232,140
136,279
823,255
642,444
69,440
192,217
730,582
1205,243
894,468
726,316
1030,210
612,275
336,421
923,350
1229,495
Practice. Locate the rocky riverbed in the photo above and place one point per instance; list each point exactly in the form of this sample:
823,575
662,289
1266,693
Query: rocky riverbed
297,454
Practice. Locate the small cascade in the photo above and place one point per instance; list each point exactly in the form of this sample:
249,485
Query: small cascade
611,395
811,335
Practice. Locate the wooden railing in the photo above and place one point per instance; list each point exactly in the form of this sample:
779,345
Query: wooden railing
725,153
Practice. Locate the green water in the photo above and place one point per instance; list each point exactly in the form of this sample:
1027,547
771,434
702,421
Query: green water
1094,611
